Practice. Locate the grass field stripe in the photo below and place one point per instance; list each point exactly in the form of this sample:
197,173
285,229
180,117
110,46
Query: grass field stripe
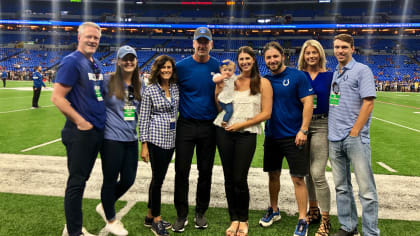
386,167
26,109
395,104
41,145
120,214
17,97
390,122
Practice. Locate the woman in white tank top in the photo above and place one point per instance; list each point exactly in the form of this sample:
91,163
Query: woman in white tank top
252,102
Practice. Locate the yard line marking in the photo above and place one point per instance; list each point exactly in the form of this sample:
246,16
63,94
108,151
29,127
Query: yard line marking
329,163
386,167
416,112
395,104
119,216
41,145
4,112
390,122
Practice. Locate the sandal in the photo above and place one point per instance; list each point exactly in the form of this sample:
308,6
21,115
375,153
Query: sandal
233,228
242,232
313,216
324,228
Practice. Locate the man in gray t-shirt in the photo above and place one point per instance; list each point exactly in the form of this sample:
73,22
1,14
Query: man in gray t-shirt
351,104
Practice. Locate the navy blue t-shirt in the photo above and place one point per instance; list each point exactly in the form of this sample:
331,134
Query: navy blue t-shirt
289,87
77,71
196,88
321,85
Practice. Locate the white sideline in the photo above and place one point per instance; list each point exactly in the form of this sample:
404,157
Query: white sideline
390,122
3,112
386,167
41,145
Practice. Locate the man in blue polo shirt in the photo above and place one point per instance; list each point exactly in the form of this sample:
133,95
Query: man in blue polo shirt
78,95
38,84
195,129
351,104
286,133
4,77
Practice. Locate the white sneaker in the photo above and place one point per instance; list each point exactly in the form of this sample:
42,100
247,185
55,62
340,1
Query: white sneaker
116,228
101,212
84,232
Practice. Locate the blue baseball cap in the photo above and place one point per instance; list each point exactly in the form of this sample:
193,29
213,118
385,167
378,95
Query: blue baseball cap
124,50
202,32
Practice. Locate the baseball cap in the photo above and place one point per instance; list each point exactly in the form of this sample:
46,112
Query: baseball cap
201,32
124,50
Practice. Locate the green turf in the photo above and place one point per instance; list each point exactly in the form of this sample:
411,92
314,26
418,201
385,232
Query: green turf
21,83
393,145
29,215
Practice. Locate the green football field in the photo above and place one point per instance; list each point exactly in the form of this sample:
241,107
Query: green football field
395,129
395,135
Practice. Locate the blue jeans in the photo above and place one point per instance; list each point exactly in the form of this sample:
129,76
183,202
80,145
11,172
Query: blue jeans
342,153
228,108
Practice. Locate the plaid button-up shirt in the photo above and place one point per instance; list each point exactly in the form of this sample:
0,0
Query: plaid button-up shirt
156,114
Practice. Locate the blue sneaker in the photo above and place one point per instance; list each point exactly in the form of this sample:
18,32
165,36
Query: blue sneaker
301,228
270,217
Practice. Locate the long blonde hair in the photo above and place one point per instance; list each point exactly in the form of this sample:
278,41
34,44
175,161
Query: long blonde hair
322,60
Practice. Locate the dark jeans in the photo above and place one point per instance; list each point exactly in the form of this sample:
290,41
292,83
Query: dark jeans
159,160
228,108
35,98
201,135
4,83
236,152
118,159
82,149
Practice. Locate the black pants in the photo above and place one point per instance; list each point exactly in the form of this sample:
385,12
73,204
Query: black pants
236,152
159,160
4,83
201,135
35,97
118,159
82,149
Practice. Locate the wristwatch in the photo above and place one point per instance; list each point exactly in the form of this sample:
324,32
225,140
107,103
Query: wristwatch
305,132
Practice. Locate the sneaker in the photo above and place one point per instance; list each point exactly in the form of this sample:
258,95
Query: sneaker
101,212
149,221
179,225
116,228
301,228
270,217
159,229
200,221
84,232
313,216
342,232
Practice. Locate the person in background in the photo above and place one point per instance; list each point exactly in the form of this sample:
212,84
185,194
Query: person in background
312,62
37,87
119,153
157,126
4,77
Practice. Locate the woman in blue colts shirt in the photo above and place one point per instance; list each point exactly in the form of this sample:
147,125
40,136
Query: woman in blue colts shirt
120,148
312,61
158,113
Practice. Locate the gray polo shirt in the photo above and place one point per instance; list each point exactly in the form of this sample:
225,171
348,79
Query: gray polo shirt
353,84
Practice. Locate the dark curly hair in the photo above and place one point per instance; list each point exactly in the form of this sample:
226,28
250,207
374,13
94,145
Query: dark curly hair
155,77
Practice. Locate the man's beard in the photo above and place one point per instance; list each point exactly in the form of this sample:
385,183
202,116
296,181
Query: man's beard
277,68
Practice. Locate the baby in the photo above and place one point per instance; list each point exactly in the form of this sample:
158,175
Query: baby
226,76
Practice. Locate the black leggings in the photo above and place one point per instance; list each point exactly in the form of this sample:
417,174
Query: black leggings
159,160
118,159
236,152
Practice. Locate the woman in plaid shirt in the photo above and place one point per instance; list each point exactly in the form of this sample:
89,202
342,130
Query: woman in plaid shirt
158,113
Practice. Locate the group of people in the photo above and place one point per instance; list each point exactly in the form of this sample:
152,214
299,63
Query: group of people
200,104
